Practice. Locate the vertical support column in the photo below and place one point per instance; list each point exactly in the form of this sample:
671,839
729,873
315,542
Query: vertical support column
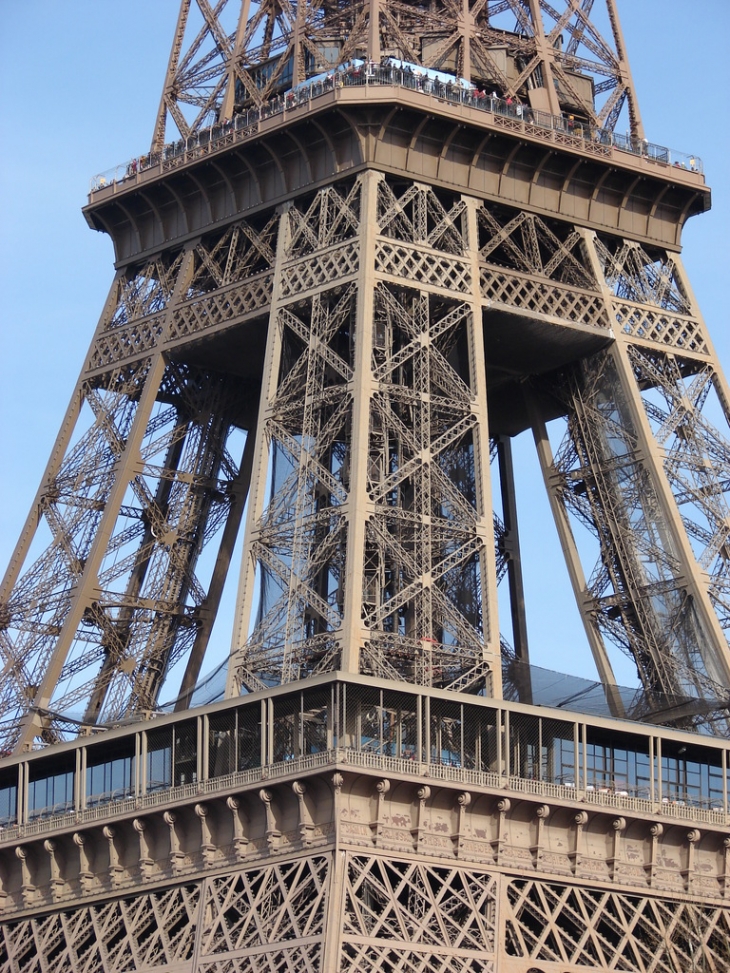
333,930
572,560
512,550
220,572
259,473
467,25
637,127
374,31
229,97
546,58
482,470
359,506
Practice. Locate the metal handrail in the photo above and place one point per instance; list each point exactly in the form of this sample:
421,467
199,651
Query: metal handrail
510,112
597,792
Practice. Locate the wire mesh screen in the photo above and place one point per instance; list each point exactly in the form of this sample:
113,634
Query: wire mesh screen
446,740
382,722
400,725
286,737
248,737
186,753
480,730
222,743
316,720
362,729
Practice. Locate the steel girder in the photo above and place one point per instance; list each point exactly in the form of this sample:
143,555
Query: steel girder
365,911
367,541
141,481
367,532
229,54
644,468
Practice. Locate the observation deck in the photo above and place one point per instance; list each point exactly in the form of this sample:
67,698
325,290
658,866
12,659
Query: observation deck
340,738
393,122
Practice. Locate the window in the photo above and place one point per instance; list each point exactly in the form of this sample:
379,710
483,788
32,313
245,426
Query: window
110,772
159,759
9,800
51,787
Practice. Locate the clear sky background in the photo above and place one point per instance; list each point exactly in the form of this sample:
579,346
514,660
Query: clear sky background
80,83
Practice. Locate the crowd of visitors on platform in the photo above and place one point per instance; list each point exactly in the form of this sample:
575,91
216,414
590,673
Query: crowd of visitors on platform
392,71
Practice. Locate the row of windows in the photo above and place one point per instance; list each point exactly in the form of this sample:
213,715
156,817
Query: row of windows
382,722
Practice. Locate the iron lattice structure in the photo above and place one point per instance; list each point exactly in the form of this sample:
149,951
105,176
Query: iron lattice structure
370,244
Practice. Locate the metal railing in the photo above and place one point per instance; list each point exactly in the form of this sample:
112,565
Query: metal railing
616,796
510,113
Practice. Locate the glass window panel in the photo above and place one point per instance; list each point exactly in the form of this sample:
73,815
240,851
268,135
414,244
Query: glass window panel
51,787
159,759
110,772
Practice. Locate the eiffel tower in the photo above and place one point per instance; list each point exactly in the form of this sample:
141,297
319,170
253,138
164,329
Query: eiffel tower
369,245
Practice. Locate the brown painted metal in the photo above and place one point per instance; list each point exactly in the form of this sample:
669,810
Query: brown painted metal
373,280
480,235
357,824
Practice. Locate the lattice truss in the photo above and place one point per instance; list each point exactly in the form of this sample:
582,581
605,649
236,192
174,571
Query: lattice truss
650,300
641,600
233,55
397,915
141,483
640,597
505,562
681,402
529,263
499,526
249,916
420,582
413,917
602,929
423,560
425,551
231,277
300,540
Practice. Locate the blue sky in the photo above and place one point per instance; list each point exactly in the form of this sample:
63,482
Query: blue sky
80,82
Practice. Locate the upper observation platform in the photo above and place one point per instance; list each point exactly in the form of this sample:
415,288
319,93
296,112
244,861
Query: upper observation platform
402,119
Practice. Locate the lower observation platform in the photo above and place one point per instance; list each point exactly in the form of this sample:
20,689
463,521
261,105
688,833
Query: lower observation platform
358,824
